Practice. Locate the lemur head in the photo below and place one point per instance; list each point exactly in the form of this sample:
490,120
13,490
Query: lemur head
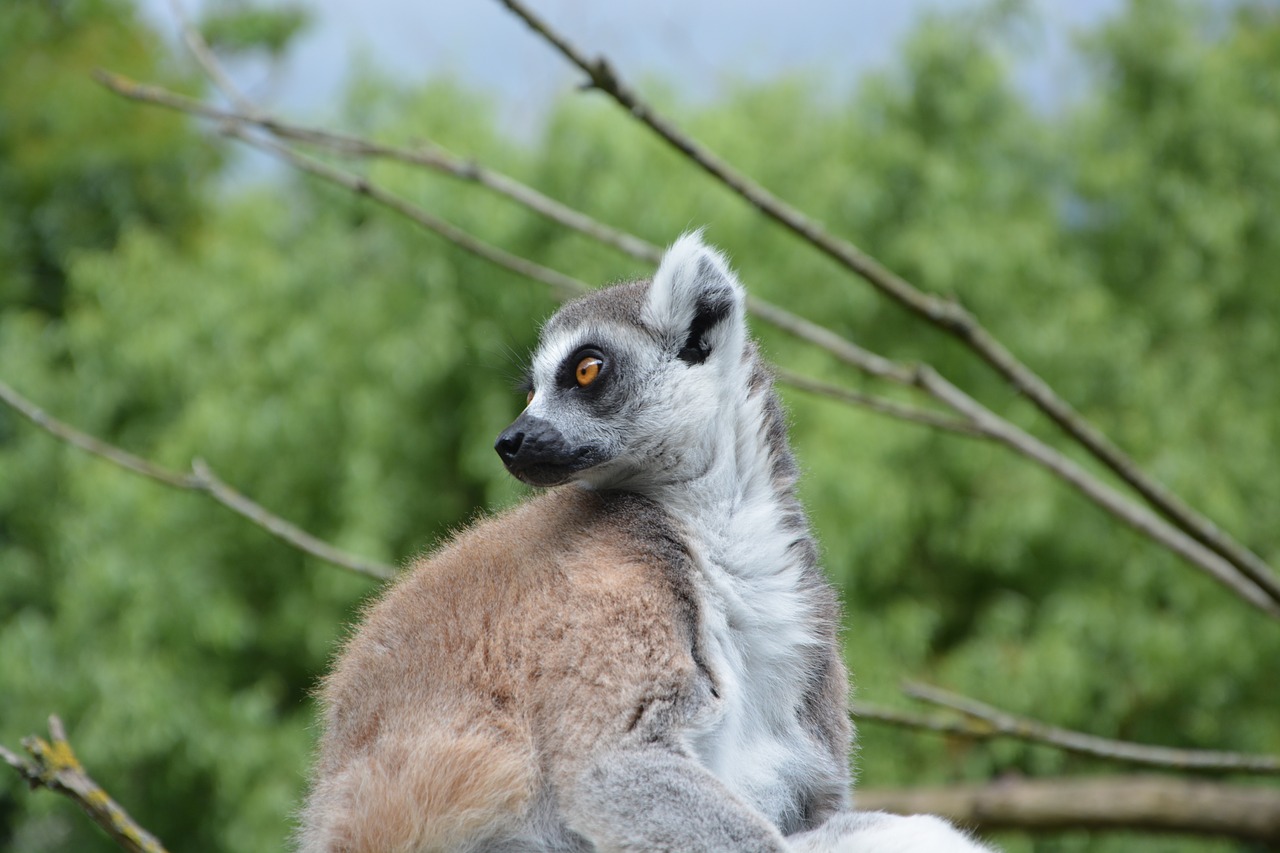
635,385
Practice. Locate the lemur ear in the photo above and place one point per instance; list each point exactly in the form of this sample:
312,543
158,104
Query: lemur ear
695,302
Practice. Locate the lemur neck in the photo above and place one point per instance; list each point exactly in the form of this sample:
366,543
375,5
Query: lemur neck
751,473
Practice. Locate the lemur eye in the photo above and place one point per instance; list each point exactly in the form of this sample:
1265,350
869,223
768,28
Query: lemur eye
587,371
528,398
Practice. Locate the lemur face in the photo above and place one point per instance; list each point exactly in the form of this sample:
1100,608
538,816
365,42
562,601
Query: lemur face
627,382
578,388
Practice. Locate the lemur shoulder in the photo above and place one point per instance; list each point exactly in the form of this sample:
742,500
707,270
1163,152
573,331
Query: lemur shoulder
644,656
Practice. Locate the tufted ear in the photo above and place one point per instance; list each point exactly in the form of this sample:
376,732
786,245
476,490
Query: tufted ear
695,302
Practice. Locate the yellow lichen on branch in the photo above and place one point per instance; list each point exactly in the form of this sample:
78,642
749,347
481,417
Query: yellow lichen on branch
53,765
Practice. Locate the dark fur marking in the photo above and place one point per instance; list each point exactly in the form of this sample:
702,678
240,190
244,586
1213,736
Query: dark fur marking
712,309
607,397
635,717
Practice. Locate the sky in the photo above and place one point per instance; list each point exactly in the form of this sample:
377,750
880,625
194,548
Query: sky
700,46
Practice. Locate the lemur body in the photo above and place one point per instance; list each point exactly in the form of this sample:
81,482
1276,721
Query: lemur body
642,658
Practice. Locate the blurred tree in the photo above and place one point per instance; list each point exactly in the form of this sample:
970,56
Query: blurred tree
236,27
77,168
349,373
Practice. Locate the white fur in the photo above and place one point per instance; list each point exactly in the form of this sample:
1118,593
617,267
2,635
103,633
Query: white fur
757,622
878,832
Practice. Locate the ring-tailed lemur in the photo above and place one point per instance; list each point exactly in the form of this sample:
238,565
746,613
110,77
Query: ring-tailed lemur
641,658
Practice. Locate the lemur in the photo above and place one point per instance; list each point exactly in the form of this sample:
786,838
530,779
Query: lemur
643,656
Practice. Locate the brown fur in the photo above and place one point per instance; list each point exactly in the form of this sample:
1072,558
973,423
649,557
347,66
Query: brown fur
471,690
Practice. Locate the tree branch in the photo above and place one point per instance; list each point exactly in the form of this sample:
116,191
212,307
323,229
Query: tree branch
565,286
208,62
882,405
1110,803
90,444
54,766
1133,514
988,722
202,479
946,315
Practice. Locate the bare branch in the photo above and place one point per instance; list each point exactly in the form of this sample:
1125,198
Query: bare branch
867,712
944,314
1110,803
54,766
1132,514
842,348
565,286
234,124
209,483
204,56
202,480
882,405
433,157
89,444
428,155
988,722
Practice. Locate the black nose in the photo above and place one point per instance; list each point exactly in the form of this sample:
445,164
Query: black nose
539,454
508,444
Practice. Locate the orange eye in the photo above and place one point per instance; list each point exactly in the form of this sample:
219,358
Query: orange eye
587,371
528,398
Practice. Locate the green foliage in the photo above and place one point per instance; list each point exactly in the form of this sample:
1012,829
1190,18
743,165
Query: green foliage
348,372
237,27
76,167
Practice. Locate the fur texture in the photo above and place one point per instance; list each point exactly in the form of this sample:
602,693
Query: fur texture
643,657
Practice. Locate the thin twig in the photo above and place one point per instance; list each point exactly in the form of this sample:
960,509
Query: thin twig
54,766
997,723
823,338
945,314
882,405
224,494
565,286
431,157
806,330
428,155
90,444
203,54
233,124
861,712
202,479
979,418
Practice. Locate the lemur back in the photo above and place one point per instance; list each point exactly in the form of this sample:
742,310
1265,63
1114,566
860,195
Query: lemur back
641,657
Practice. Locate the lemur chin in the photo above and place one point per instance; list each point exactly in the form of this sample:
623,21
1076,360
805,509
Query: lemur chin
643,656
